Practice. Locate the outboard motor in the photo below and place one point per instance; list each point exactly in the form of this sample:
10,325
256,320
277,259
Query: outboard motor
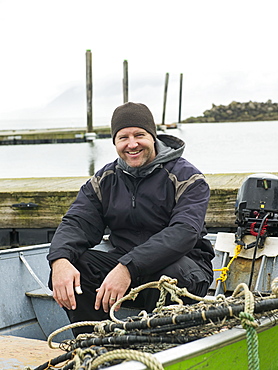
256,209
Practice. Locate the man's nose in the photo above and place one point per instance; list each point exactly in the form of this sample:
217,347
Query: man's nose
132,142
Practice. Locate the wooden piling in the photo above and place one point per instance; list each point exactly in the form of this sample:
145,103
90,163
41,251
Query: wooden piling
165,98
125,82
89,90
180,97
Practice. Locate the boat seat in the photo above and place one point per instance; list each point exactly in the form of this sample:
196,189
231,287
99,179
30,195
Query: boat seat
40,293
104,246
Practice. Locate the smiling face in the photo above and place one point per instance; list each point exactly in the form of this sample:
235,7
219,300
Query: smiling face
135,146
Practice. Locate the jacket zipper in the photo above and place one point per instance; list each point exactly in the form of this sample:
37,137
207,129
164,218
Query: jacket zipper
133,198
133,201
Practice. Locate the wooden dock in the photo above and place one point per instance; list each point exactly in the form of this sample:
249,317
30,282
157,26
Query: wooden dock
59,135
51,135
41,202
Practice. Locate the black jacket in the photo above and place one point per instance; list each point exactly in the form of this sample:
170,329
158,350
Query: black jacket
155,215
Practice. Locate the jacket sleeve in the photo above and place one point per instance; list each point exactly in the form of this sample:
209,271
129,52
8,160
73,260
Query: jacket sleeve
177,239
81,228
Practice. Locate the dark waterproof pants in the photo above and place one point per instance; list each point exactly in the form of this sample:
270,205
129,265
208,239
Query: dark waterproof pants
94,265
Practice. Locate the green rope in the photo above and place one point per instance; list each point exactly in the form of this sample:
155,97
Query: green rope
249,324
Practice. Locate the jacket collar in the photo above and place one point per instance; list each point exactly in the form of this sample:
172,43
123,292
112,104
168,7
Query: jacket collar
168,148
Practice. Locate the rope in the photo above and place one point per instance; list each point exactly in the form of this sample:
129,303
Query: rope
98,326
274,286
83,357
249,324
249,298
132,295
128,354
224,270
165,285
86,359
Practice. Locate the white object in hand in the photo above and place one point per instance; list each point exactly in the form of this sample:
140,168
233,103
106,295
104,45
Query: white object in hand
78,290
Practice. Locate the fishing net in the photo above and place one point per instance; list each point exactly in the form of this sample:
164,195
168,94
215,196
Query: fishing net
138,337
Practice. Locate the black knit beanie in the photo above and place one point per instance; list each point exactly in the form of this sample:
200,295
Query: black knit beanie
132,115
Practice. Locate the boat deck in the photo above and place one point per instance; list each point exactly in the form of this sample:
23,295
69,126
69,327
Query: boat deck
16,353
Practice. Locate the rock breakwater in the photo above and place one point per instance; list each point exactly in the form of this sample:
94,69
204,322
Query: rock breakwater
237,112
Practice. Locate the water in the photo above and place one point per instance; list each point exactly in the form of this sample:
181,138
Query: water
236,147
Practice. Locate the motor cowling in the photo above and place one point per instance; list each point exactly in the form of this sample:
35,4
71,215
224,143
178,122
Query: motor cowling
256,207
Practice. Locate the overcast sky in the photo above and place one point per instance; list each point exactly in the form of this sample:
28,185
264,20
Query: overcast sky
226,50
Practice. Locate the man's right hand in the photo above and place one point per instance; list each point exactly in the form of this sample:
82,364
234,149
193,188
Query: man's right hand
65,278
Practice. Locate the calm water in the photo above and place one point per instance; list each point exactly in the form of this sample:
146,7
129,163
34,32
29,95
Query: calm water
213,148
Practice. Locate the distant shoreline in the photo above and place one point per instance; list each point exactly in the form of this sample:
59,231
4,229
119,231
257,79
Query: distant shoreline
238,112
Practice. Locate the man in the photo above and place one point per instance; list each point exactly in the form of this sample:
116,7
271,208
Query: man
154,203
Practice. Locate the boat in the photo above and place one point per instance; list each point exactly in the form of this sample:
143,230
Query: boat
166,126
27,306
29,311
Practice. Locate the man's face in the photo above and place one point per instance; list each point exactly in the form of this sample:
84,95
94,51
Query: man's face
135,146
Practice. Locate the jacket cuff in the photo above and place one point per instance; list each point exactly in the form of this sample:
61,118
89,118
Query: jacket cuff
126,261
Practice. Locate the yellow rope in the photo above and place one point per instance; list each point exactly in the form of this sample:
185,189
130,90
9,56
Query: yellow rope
224,270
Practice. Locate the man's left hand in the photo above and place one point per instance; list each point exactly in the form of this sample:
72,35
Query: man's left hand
113,288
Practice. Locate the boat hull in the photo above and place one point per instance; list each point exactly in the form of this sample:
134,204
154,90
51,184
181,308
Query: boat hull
28,312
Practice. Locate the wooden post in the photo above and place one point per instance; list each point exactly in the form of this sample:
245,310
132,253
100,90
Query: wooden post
125,82
180,100
165,97
89,90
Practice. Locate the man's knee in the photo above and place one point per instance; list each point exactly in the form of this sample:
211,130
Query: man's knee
189,275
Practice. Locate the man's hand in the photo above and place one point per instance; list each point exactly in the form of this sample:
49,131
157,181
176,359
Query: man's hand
113,287
65,277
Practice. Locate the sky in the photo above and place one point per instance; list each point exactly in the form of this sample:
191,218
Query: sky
226,51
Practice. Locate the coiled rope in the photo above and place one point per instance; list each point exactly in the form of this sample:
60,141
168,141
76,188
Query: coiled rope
274,287
168,285
128,354
86,358
165,285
